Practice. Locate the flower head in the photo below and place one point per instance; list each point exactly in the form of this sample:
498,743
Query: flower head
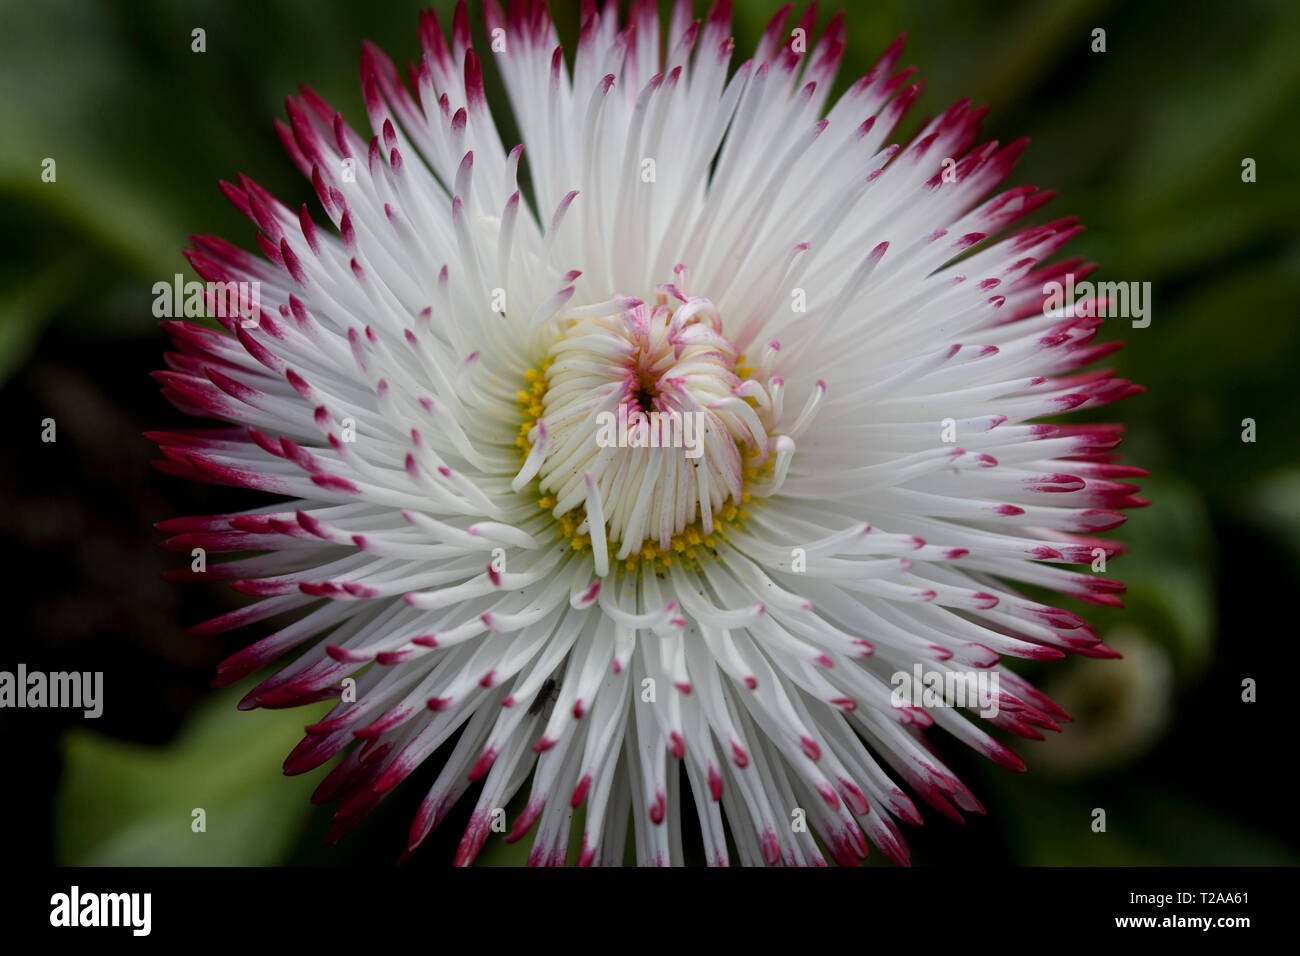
714,457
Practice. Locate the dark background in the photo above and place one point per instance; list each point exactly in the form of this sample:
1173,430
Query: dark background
1144,141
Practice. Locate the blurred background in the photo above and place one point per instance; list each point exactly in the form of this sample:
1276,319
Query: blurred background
1145,142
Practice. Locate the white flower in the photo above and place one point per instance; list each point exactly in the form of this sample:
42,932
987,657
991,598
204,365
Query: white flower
844,364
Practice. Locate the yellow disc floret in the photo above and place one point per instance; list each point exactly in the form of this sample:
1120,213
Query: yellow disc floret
685,548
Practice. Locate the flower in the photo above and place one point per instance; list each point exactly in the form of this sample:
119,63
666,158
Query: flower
670,469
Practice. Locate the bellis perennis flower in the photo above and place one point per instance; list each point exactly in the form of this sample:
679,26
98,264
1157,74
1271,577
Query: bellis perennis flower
659,464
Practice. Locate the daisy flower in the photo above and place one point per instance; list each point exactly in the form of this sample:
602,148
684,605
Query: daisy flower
641,459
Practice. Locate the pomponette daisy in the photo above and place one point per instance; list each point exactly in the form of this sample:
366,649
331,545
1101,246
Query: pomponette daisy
648,472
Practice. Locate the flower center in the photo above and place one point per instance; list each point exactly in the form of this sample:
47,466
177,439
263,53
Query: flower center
644,410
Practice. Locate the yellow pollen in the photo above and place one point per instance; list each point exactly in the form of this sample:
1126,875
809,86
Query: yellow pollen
687,546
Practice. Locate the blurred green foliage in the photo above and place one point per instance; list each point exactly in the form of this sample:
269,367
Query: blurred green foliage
1145,142
125,804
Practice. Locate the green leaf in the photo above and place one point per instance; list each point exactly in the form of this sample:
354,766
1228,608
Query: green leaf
1273,503
26,306
1170,597
125,804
